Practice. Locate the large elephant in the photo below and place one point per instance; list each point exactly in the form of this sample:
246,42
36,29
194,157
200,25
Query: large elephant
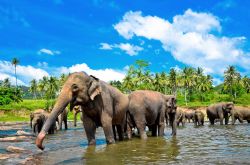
180,117
220,111
76,110
189,115
199,118
148,108
241,113
102,105
63,118
37,120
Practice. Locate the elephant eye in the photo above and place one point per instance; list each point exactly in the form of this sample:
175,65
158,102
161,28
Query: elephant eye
74,88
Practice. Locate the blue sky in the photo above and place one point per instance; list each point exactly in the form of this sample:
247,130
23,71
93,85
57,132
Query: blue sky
100,37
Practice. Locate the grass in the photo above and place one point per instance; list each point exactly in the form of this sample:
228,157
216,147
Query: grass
21,111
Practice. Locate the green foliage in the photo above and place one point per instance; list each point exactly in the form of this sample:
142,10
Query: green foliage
9,94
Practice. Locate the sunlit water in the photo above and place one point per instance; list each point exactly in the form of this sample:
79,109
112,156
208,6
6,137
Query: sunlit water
193,145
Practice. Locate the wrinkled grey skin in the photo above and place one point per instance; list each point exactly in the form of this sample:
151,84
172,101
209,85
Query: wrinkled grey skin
37,120
189,115
241,113
180,117
199,118
102,105
220,111
148,108
63,118
76,110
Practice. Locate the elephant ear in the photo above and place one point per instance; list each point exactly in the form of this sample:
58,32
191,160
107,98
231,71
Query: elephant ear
95,88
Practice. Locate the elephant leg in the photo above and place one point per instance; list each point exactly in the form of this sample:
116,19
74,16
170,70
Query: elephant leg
172,119
226,120
129,131
75,115
120,132
240,120
114,131
66,123
153,130
60,121
211,120
161,125
141,128
90,128
107,127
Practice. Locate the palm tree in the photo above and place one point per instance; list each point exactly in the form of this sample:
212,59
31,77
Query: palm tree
33,88
245,81
42,84
188,80
205,84
231,80
52,87
6,83
173,80
15,62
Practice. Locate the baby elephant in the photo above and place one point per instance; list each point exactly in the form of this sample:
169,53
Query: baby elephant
63,118
180,117
37,120
241,113
198,118
77,109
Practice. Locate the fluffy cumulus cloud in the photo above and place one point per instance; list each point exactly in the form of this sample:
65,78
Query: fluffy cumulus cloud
103,74
24,73
191,39
49,52
129,49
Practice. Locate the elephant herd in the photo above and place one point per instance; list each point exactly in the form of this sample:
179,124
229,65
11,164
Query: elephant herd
101,104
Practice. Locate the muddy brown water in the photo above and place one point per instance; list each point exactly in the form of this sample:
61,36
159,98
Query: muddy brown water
193,145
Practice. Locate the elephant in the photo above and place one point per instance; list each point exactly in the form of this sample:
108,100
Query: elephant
220,111
148,108
241,113
102,105
76,110
180,117
199,118
189,115
37,120
63,118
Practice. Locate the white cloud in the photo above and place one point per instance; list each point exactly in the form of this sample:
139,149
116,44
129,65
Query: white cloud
24,73
42,64
49,52
129,49
103,74
190,38
106,46
11,78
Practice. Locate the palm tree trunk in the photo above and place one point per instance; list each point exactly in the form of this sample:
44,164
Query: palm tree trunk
186,96
16,83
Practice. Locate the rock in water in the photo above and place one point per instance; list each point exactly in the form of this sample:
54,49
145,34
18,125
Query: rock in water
16,149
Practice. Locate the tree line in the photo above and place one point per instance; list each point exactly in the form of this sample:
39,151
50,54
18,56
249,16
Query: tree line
189,83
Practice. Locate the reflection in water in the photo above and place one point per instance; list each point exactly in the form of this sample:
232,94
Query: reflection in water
193,145
136,151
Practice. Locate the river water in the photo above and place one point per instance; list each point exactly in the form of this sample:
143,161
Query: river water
192,145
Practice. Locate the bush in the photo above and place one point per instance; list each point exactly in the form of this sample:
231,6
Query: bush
9,94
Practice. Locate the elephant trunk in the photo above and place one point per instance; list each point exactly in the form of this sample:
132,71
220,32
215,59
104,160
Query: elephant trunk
61,103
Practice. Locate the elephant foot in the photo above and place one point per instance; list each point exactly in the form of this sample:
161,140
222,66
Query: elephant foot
144,136
110,141
92,142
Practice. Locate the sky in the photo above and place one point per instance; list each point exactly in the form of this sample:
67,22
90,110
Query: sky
104,37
